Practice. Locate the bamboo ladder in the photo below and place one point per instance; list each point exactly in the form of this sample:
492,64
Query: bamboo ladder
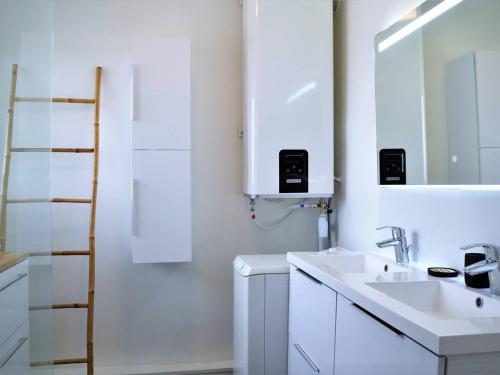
89,305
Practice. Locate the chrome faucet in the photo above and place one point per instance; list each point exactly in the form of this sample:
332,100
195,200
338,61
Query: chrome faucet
491,265
398,240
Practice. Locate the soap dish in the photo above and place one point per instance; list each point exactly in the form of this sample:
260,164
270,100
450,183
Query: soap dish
442,272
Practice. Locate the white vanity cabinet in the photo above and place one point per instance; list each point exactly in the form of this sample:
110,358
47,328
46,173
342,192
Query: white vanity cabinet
311,325
367,345
354,323
14,343
329,334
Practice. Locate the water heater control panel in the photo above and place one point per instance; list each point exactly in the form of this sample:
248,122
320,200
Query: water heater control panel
293,171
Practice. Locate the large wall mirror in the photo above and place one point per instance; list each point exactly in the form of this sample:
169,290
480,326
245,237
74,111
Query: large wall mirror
437,73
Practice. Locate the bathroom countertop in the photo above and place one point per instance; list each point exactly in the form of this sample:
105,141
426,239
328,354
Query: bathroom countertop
441,335
8,260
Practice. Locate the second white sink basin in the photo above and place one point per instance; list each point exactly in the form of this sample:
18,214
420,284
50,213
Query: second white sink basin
440,299
361,263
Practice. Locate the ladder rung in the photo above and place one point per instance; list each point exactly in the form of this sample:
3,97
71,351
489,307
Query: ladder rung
59,362
70,252
41,363
73,101
70,306
71,200
60,306
40,254
53,200
31,99
69,361
55,100
60,253
28,200
70,150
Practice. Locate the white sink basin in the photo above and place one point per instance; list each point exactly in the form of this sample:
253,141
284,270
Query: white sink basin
441,300
362,263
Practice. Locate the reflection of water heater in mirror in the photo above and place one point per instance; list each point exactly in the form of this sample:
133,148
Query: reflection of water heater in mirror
288,98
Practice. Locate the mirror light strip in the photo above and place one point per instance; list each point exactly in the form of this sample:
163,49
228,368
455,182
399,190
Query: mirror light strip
441,187
417,23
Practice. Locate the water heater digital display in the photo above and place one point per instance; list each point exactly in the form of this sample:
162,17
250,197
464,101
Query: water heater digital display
293,171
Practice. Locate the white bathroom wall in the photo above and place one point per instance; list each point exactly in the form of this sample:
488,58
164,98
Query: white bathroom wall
437,220
151,315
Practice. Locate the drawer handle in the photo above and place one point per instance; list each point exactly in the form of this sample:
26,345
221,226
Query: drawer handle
19,343
306,357
387,326
19,277
313,279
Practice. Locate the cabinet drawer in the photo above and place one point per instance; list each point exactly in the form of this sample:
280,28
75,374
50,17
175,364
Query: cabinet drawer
367,345
13,299
312,319
14,353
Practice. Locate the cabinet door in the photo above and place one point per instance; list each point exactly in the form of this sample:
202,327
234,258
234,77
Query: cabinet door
461,116
490,160
366,345
161,222
311,322
161,93
488,92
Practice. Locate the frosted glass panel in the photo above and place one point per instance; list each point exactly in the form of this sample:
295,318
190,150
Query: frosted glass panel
26,46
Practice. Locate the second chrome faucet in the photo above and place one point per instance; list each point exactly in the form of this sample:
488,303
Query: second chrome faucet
490,265
398,240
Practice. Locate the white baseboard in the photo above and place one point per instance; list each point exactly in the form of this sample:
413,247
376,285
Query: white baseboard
170,369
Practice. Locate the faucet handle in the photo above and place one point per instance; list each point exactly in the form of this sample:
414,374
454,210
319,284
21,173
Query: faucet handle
397,232
492,252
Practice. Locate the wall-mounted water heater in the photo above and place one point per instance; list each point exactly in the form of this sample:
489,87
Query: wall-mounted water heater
288,98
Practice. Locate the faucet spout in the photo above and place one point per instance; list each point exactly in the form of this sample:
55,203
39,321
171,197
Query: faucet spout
387,243
483,266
